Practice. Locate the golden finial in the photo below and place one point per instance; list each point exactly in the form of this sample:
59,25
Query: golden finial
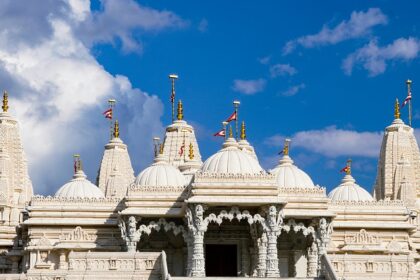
230,132
348,167
286,147
161,149
180,115
397,109
191,152
243,134
5,101
116,129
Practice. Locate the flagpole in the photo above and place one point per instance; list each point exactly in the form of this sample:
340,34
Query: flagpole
236,104
224,128
173,77
111,103
408,82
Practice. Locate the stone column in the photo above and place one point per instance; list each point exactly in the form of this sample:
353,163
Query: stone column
262,255
323,235
62,263
312,260
133,237
273,231
196,229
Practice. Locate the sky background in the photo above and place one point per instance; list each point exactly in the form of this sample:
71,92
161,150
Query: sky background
325,75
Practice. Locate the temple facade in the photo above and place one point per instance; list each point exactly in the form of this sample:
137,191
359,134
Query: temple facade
222,217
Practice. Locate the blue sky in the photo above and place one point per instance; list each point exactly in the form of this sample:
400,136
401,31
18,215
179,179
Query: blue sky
325,75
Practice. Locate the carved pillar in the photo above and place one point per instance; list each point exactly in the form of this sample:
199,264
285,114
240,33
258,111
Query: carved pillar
196,227
245,260
133,237
323,234
62,263
312,260
254,249
262,255
273,231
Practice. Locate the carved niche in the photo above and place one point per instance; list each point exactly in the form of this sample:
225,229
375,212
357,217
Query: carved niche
363,241
78,234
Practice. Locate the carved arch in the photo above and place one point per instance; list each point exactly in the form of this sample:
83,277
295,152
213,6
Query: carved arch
162,224
291,224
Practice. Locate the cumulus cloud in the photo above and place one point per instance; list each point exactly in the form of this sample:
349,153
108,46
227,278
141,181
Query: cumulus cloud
360,24
293,90
282,70
374,58
58,90
249,87
333,142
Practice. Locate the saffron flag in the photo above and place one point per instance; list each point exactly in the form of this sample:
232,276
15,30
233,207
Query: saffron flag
407,99
345,169
221,133
108,114
232,117
181,150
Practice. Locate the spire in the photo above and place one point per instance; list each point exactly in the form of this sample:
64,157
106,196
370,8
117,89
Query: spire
397,109
5,106
180,115
173,77
286,146
243,133
116,133
230,132
191,152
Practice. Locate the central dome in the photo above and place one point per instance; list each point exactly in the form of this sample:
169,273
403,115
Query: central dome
289,175
160,173
79,186
232,160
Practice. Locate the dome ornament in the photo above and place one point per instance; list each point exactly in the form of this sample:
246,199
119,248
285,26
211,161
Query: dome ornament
156,145
191,152
5,106
347,168
397,109
408,100
180,115
77,165
243,132
230,132
116,133
286,147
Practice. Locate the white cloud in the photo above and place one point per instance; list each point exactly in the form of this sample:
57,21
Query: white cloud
360,24
332,142
282,70
58,91
374,58
265,60
249,87
293,90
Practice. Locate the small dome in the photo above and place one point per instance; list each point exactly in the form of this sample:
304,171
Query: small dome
79,186
232,160
348,190
289,175
160,173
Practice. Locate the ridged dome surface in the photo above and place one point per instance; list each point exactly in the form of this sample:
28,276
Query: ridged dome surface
160,173
231,160
348,190
79,186
289,175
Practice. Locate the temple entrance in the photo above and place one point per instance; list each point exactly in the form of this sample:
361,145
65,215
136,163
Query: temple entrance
221,260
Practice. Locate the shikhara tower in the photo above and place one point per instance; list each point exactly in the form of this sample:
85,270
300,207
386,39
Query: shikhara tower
226,216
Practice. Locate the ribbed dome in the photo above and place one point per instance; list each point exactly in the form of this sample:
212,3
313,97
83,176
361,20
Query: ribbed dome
79,186
231,160
348,190
160,173
289,175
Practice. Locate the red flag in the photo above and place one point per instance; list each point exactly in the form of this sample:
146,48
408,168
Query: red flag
345,169
407,99
181,150
108,114
232,117
221,133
